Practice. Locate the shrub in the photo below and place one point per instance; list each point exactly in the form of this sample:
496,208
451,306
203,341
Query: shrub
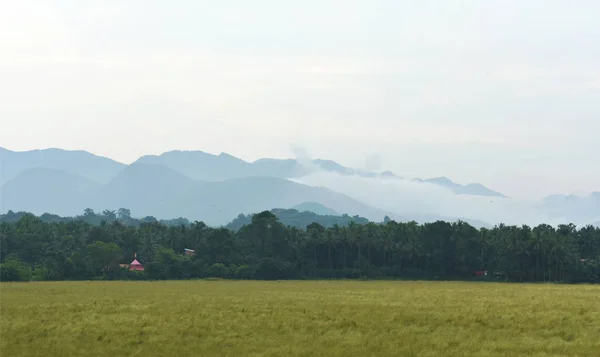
218,270
14,270
273,269
243,272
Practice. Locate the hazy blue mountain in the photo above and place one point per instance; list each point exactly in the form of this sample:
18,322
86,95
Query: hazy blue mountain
196,165
573,208
200,165
43,190
469,189
282,168
255,194
83,163
147,190
332,166
299,219
388,174
155,190
425,218
315,208
204,166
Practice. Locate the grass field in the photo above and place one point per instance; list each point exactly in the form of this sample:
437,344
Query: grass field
298,318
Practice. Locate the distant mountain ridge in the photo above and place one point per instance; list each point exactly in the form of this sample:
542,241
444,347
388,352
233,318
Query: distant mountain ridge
203,166
96,168
469,189
300,219
573,207
196,165
155,190
46,190
64,182
315,208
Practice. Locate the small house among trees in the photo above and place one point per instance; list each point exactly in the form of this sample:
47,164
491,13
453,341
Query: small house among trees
134,265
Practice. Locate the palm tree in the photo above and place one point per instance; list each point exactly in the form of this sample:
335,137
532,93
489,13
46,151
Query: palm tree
355,231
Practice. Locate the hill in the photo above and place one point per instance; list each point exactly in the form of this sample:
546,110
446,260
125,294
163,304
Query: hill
572,208
42,190
197,165
148,190
469,189
82,163
204,166
300,220
155,190
93,218
316,208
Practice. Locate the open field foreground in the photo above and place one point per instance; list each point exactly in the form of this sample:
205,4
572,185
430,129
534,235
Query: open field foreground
298,318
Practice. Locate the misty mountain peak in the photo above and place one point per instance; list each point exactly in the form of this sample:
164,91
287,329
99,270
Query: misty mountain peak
441,180
97,168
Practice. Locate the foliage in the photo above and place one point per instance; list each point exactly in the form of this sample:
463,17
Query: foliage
298,318
294,218
12,269
123,216
265,248
218,270
103,257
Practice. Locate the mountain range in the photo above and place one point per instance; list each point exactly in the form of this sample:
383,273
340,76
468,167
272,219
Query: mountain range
155,190
300,219
196,165
475,189
573,208
212,188
96,168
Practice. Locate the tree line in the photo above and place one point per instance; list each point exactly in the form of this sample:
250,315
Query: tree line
289,217
122,215
265,248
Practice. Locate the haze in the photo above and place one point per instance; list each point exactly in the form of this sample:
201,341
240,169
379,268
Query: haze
506,94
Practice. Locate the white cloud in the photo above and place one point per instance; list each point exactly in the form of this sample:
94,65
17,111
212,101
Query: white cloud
476,90
408,198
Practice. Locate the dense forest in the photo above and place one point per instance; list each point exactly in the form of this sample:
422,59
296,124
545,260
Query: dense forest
93,246
122,215
297,219
289,217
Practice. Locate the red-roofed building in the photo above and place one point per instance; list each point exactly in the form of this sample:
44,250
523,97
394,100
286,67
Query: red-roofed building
134,265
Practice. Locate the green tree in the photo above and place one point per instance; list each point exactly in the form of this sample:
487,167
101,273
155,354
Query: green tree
12,269
103,257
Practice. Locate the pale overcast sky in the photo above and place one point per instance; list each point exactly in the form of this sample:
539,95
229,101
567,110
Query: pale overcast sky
505,93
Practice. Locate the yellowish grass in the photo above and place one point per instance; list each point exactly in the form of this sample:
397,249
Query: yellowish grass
298,318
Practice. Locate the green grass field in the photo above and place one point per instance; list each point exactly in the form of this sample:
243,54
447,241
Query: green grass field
298,318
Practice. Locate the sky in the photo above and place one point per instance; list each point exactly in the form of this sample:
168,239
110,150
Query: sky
422,201
506,94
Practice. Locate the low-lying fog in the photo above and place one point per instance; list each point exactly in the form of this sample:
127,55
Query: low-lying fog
405,197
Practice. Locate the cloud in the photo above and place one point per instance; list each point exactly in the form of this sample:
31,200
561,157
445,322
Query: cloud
342,80
303,158
373,162
408,198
